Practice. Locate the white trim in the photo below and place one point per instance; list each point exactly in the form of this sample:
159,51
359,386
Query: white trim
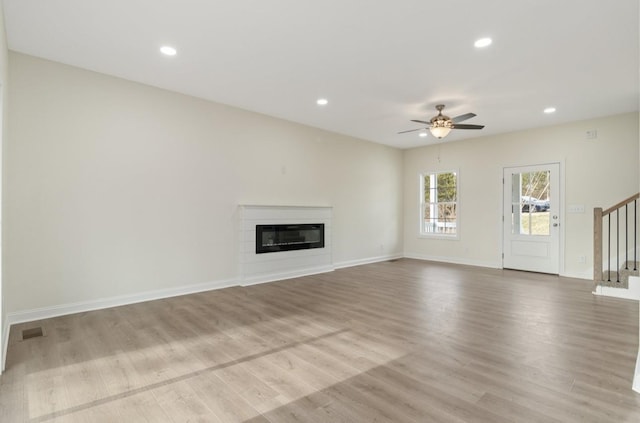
360,262
561,210
65,309
273,277
481,263
636,378
455,260
563,213
259,268
84,306
588,275
421,205
5,344
80,307
630,293
71,308
4,333
439,236
283,207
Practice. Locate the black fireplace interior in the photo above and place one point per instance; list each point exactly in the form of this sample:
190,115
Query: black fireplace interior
273,238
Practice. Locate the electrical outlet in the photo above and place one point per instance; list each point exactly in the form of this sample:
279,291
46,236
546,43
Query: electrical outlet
582,259
592,134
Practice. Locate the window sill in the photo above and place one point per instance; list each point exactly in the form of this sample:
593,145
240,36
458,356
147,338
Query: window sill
455,237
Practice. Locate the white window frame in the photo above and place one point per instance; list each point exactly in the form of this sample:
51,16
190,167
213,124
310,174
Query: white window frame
422,205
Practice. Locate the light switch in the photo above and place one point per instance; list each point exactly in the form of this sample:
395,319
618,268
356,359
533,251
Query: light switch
576,208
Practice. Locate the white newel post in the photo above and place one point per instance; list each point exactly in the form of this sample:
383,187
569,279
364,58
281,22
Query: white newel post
636,378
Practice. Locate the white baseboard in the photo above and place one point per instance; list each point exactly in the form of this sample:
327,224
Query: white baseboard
83,306
272,277
80,307
5,344
454,260
588,275
360,262
630,293
636,378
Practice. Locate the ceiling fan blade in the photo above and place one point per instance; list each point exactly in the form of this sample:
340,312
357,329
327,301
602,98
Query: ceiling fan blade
421,121
466,126
462,117
411,130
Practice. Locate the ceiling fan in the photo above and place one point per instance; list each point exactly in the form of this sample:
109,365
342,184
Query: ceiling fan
440,125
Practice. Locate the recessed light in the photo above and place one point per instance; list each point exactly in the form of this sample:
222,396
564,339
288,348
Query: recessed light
549,110
483,42
322,102
168,50
422,134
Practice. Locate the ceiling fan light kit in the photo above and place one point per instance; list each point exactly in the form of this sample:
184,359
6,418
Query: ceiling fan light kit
440,131
440,125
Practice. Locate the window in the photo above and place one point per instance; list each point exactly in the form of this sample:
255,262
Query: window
439,204
530,203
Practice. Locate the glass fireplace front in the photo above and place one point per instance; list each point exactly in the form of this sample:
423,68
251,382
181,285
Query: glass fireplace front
273,238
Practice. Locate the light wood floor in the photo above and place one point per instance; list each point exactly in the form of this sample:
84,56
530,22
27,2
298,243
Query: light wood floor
404,341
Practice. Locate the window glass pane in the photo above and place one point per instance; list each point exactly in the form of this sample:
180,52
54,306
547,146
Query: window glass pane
447,218
535,185
530,203
439,209
447,187
427,188
539,223
515,204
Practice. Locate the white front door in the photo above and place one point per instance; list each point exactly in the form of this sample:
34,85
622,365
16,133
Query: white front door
531,216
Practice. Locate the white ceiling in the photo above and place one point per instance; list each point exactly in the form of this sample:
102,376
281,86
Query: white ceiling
380,64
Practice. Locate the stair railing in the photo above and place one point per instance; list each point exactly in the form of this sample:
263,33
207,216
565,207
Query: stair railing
613,213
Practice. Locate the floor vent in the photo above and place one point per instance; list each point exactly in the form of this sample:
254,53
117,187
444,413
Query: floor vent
31,333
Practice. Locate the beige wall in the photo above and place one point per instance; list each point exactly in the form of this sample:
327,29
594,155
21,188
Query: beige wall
4,77
597,173
116,188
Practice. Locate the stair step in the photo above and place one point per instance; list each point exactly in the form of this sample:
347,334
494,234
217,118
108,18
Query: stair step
620,279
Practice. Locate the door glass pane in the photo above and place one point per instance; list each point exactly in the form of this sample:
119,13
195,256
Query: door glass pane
530,203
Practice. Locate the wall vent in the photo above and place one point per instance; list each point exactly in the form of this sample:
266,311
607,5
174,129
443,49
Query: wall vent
32,333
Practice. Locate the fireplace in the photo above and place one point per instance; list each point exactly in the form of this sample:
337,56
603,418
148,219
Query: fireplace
274,238
268,234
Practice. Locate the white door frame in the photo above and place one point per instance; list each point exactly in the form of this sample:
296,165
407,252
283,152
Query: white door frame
561,208
4,332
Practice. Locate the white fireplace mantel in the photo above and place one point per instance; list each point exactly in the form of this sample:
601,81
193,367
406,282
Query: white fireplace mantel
260,268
